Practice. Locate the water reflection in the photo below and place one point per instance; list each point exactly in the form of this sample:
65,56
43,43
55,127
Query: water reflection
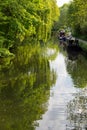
77,108
76,66
60,95
77,112
61,111
24,89
41,89
73,52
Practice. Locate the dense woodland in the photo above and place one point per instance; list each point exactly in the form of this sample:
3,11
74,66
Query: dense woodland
74,16
22,21
26,19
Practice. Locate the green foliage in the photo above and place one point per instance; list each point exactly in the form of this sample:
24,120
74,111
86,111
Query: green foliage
83,45
20,19
5,53
63,16
77,17
74,16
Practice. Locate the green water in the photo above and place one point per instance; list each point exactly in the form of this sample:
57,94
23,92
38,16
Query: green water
26,83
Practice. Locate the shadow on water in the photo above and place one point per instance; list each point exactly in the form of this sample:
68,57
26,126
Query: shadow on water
73,52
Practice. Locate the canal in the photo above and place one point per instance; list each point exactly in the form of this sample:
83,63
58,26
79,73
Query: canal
44,88
68,99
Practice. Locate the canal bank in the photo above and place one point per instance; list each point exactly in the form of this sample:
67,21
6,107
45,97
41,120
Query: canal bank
83,44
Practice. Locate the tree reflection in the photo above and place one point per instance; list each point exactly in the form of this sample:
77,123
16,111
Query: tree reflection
77,112
24,89
77,70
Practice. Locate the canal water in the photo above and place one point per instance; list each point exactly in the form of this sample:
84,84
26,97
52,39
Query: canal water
67,105
44,88
60,94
